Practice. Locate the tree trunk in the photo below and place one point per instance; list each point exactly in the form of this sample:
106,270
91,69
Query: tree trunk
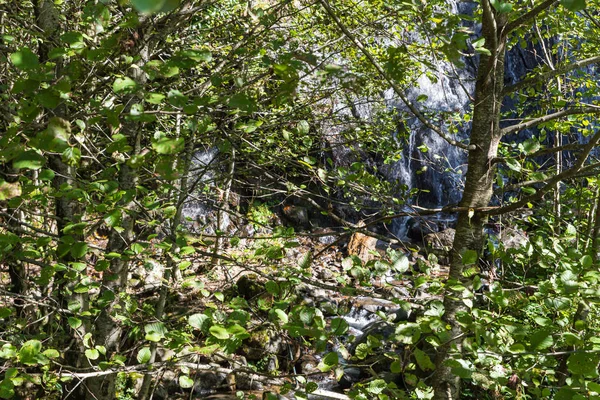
171,267
67,208
108,332
485,136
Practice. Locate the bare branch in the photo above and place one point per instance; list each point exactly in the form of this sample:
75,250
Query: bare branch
551,183
549,117
561,70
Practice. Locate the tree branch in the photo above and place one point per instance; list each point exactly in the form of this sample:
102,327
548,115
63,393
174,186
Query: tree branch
528,16
399,92
561,70
549,117
551,183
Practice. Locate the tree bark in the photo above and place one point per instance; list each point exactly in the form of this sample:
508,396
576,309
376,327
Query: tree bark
485,137
108,332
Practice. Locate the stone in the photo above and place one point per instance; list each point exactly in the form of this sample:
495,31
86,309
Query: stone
361,245
296,215
440,240
262,343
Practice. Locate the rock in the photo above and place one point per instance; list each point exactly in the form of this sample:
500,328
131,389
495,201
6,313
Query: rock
361,245
296,215
513,238
351,376
440,240
418,228
147,275
329,239
249,287
262,343
209,380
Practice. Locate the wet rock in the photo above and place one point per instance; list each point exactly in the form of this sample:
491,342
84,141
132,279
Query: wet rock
245,381
209,380
351,376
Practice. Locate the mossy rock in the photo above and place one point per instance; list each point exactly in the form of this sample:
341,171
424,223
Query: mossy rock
263,342
249,287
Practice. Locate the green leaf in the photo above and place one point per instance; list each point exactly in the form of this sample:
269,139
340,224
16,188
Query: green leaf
29,351
501,7
339,326
328,362
377,386
155,331
51,353
573,5
46,175
167,145
113,218
219,332
92,354
311,387
186,382
56,136
513,164
24,59
7,389
29,159
396,367
584,364
281,315
48,98
242,102
143,356
5,312
272,287
78,249
586,261
197,55
531,146
423,360
74,322
124,85
148,6
303,127
470,257
401,264
154,98
541,339
170,5
71,156
176,98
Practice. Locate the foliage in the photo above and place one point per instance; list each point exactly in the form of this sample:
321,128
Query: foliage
117,114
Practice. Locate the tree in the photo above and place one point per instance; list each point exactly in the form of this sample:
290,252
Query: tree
101,122
501,25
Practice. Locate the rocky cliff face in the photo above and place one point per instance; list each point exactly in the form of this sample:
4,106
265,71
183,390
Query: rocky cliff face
428,162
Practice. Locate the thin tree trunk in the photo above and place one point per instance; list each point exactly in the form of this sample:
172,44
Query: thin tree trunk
16,268
67,209
485,136
171,267
108,331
